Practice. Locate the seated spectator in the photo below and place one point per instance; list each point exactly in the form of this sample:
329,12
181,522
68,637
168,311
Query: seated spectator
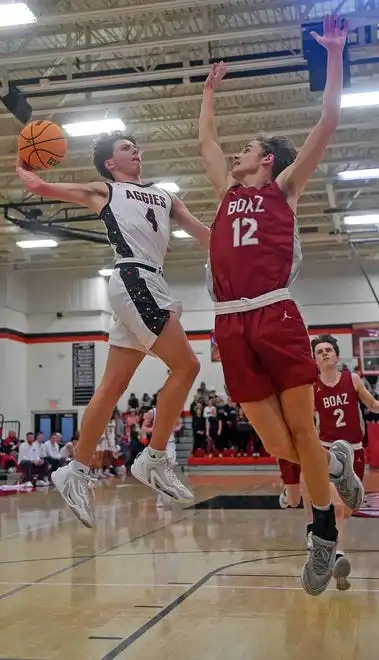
40,439
32,465
53,452
8,453
66,454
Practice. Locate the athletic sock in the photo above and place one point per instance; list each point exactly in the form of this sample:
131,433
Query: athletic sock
335,466
156,453
80,467
309,528
324,523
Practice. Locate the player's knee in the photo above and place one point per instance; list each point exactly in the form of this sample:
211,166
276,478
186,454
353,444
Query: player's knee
305,438
188,368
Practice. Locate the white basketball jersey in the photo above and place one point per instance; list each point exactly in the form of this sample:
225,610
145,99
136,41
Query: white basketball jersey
137,218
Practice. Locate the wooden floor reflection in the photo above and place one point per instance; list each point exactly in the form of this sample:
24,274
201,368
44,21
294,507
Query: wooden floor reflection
186,584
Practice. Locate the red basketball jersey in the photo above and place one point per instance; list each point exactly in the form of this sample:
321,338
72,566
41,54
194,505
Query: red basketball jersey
254,244
338,410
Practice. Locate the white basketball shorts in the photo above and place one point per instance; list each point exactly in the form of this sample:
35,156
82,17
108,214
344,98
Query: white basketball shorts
141,305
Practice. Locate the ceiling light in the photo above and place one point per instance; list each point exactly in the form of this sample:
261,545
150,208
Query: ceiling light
17,13
180,233
351,175
81,128
360,100
42,243
170,186
369,219
105,272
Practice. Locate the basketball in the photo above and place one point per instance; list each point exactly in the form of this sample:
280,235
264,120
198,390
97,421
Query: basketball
42,144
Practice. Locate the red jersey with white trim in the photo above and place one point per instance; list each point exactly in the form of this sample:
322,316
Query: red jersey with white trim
254,244
338,410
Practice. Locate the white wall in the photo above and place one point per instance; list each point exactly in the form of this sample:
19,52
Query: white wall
330,293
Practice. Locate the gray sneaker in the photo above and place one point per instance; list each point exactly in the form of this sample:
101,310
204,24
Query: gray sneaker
349,486
341,572
318,570
76,489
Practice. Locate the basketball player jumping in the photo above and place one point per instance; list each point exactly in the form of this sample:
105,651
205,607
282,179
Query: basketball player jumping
254,256
137,217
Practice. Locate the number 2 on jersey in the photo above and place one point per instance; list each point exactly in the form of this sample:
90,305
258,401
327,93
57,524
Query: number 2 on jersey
150,217
241,238
340,421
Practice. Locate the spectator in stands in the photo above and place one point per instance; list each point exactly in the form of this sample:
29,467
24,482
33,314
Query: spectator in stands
244,433
119,425
40,439
228,415
66,454
32,465
199,430
53,452
213,423
146,401
132,419
133,401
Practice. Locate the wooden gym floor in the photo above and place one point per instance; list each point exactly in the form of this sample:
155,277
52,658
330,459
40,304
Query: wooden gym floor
191,584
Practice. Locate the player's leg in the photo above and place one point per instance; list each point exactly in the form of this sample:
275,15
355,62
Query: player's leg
342,567
308,514
152,466
73,480
290,475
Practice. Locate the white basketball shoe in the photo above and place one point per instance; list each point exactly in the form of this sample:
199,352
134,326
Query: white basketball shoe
76,489
159,474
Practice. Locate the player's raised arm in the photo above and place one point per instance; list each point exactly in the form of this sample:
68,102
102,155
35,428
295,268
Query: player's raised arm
213,158
181,215
294,179
364,395
92,195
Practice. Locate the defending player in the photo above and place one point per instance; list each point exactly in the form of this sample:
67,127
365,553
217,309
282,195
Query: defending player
137,217
254,256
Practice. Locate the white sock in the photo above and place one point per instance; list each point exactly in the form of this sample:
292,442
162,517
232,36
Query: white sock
80,467
322,508
156,453
335,466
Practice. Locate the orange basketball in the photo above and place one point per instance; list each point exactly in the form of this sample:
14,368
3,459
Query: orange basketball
42,144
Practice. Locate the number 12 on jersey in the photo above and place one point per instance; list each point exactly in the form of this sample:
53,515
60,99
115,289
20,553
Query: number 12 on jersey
243,232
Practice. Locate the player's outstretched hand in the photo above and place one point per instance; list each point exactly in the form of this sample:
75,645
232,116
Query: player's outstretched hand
335,34
216,74
29,178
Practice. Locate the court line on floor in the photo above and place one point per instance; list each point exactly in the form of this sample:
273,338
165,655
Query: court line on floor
153,553
87,559
131,639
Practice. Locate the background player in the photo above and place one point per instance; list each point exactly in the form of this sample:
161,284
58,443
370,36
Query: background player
137,217
337,397
293,491
254,255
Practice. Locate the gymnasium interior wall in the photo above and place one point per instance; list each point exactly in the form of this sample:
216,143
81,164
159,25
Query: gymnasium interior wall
43,313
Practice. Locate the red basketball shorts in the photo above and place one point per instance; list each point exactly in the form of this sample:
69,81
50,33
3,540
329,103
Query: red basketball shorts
264,351
289,472
359,463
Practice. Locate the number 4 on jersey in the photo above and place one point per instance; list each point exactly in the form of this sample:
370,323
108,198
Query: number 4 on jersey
240,237
150,217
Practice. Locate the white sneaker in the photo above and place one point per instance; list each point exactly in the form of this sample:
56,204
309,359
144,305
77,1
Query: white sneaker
41,482
74,486
158,474
28,484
